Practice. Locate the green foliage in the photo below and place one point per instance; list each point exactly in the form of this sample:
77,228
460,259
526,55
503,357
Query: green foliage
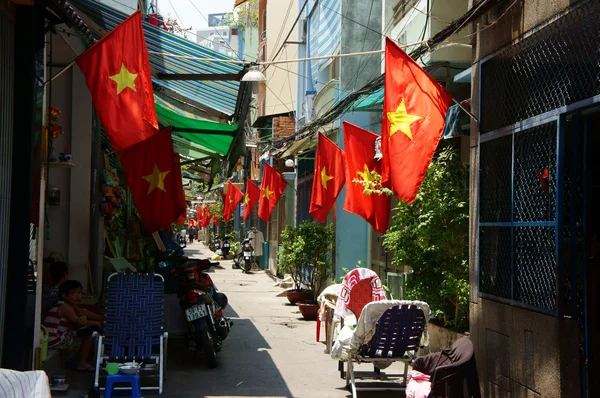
216,209
306,255
431,236
373,184
244,16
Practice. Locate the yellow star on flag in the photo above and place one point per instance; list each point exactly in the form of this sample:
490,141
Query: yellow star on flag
124,79
400,120
325,178
230,200
156,179
247,200
366,174
267,193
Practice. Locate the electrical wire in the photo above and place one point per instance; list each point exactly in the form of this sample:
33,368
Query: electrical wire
287,14
375,84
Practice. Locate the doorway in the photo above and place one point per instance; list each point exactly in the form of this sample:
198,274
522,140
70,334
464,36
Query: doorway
581,234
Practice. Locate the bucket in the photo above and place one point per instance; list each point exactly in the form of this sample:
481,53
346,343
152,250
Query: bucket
44,342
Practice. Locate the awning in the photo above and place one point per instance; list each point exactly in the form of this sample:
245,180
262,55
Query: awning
211,137
371,102
325,24
218,95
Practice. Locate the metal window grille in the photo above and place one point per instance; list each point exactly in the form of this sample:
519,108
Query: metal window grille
517,234
556,66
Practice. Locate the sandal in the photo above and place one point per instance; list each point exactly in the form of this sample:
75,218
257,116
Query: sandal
89,369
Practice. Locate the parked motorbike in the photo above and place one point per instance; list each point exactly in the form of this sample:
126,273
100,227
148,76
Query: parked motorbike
216,244
203,306
226,246
247,259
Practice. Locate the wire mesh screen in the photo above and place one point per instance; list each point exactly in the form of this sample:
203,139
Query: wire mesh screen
556,66
535,174
535,266
517,258
495,180
495,261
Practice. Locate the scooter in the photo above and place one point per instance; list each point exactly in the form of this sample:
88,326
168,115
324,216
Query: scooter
247,255
226,246
216,244
203,306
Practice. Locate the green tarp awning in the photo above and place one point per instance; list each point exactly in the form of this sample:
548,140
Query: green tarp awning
371,102
209,136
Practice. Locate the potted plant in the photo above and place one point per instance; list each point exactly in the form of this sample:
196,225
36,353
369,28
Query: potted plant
291,261
306,256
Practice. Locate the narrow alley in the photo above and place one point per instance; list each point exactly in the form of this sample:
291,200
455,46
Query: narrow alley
270,352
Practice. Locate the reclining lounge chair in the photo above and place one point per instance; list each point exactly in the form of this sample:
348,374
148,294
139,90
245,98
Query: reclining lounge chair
387,331
133,325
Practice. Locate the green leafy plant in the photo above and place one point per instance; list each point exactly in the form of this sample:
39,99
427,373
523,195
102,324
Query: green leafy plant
216,209
431,237
245,16
306,255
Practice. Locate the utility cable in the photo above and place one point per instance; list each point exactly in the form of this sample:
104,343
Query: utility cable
287,14
375,84
291,30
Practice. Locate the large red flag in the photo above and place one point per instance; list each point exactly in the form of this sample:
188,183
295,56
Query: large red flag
329,178
234,195
271,189
360,159
251,199
154,179
414,113
117,73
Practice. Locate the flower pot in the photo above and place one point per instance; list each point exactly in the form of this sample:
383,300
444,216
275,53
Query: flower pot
309,311
295,296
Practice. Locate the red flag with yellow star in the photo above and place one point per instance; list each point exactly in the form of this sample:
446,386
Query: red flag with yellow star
117,73
154,179
329,178
251,198
360,162
234,195
271,189
206,217
414,113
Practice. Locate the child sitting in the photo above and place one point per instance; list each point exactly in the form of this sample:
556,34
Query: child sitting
64,325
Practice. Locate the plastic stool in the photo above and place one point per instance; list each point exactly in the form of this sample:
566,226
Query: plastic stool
134,380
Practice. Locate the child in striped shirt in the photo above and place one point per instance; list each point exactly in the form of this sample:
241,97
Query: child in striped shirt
64,325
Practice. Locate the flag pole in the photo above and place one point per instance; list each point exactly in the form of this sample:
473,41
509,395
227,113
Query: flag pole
464,109
63,70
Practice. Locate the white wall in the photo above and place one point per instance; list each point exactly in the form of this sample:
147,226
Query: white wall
281,95
68,224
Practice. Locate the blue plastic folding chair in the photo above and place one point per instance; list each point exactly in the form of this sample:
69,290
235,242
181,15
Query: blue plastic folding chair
398,328
133,328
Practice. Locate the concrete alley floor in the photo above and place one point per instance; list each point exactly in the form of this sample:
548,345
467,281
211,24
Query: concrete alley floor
270,352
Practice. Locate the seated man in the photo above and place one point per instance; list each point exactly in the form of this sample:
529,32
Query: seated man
64,325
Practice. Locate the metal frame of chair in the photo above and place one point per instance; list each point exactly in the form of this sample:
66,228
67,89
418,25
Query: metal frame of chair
133,327
361,294
397,338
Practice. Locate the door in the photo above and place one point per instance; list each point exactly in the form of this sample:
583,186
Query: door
591,124
581,233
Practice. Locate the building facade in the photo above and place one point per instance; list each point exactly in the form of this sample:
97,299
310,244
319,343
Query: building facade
534,309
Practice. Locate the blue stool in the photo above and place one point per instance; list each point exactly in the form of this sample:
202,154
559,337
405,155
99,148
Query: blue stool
134,380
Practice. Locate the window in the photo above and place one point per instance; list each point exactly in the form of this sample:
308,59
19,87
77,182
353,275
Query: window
517,217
